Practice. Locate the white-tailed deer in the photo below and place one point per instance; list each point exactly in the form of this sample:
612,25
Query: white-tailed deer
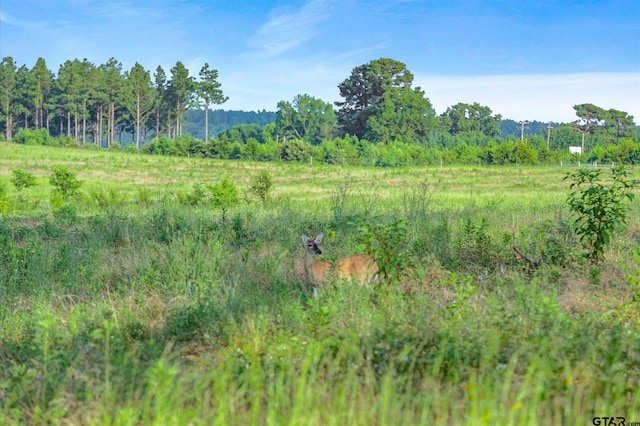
361,268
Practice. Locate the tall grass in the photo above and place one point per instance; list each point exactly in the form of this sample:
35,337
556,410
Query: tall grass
157,312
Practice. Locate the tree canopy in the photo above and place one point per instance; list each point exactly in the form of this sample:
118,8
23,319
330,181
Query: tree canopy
463,117
307,118
609,124
382,119
380,104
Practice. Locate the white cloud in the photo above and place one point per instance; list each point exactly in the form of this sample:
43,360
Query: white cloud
535,97
289,29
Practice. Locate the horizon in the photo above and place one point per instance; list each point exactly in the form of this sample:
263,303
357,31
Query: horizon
524,60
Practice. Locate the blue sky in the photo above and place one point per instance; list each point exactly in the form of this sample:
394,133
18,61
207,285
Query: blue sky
526,60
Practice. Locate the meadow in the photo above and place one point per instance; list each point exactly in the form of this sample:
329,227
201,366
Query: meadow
140,301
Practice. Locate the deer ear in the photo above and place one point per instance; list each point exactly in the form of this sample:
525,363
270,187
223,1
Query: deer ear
318,239
304,239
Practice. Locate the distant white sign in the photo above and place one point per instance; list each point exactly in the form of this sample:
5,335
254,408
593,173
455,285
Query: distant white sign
575,150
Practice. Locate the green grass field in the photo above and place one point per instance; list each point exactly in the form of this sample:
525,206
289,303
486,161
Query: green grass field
126,305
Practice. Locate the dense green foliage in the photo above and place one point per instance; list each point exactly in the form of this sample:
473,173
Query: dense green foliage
382,120
599,206
145,309
307,118
380,105
463,117
97,104
22,179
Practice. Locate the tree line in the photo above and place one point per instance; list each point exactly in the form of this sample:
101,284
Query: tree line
86,104
96,104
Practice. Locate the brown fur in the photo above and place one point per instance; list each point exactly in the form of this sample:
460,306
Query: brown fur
360,268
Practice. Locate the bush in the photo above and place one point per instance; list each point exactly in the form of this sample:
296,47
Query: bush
387,243
295,150
64,182
22,179
197,197
224,195
131,149
33,137
599,207
261,185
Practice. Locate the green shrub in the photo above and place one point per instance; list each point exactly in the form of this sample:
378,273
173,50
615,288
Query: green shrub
387,243
261,185
599,207
64,182
22,179
33,137
131,149
195,198
224,195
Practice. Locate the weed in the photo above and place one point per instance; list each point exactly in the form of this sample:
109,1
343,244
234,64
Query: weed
415,202
143,197
473,246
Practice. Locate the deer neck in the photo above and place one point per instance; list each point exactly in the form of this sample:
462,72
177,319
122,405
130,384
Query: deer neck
308,263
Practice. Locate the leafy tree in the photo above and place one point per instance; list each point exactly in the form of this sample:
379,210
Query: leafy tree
295,150
463,117
404,115
523,153
208,89
307,118
241,133
364,90
140,97
563,137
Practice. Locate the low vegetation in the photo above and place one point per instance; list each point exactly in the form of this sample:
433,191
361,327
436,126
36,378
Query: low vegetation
167,290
